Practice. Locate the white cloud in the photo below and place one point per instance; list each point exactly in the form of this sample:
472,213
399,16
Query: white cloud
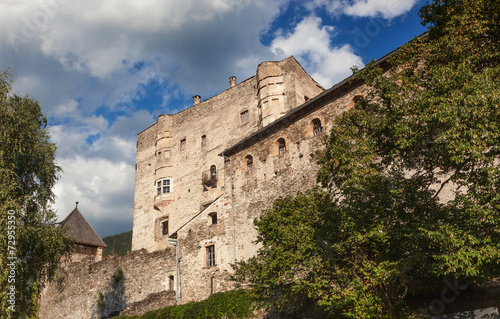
310,44
98,173
387,9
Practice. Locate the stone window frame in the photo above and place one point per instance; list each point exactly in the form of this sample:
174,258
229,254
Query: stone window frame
244,117
210,255
281,146
159,227
164,186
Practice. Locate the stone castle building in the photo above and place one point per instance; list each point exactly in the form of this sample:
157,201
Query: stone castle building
204,174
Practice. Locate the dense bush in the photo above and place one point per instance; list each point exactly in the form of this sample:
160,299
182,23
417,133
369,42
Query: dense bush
231,304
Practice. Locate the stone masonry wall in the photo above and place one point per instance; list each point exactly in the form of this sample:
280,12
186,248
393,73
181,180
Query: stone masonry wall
74,293
273,175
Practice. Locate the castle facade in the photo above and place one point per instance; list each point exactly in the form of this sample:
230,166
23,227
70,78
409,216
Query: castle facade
204,174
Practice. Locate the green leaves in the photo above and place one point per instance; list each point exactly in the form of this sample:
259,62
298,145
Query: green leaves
27,176
412,177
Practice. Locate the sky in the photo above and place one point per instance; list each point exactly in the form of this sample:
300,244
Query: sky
103,71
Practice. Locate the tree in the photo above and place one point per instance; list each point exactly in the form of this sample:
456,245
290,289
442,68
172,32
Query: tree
31,243
412,172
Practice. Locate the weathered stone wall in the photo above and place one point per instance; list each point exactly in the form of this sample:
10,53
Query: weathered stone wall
74,293
273,175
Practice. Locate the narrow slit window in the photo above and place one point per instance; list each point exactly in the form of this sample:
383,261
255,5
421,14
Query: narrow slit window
213,172
203,140
182,145
281,146
164,228
249,160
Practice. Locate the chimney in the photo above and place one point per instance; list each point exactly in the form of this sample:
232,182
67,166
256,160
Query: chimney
196,99
232,81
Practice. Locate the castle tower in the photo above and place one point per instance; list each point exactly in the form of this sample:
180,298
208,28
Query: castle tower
270,92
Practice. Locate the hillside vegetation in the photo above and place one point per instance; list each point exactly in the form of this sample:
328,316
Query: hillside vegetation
118,244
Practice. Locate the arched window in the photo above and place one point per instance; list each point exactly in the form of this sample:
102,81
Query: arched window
249,160
281,146
356,99
316,126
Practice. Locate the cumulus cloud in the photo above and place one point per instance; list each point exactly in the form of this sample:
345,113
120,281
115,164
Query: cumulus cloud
97,159
386,9
90,64
309,42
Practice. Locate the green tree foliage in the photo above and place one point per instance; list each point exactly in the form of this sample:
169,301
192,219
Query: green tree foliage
31,244
412,172
118,244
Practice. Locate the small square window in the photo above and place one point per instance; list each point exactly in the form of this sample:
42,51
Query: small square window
163,186
210,255
244,117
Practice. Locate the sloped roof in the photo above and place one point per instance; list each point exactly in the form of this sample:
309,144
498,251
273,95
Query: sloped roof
77,228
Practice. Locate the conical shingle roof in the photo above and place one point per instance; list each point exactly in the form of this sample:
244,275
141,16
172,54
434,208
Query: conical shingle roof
77,228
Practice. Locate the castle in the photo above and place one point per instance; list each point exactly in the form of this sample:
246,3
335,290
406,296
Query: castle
202,176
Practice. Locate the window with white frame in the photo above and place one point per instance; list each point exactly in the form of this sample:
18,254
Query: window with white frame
163,186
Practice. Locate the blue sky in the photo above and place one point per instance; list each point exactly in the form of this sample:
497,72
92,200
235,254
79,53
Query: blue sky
104,70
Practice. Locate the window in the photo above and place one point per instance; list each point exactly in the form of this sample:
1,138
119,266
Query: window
182,145
210,255
316,125
281,146
163,186
171,283
159,155
209,177
356,99
164,227
249,160
203,140
244,117
212,218
213,172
